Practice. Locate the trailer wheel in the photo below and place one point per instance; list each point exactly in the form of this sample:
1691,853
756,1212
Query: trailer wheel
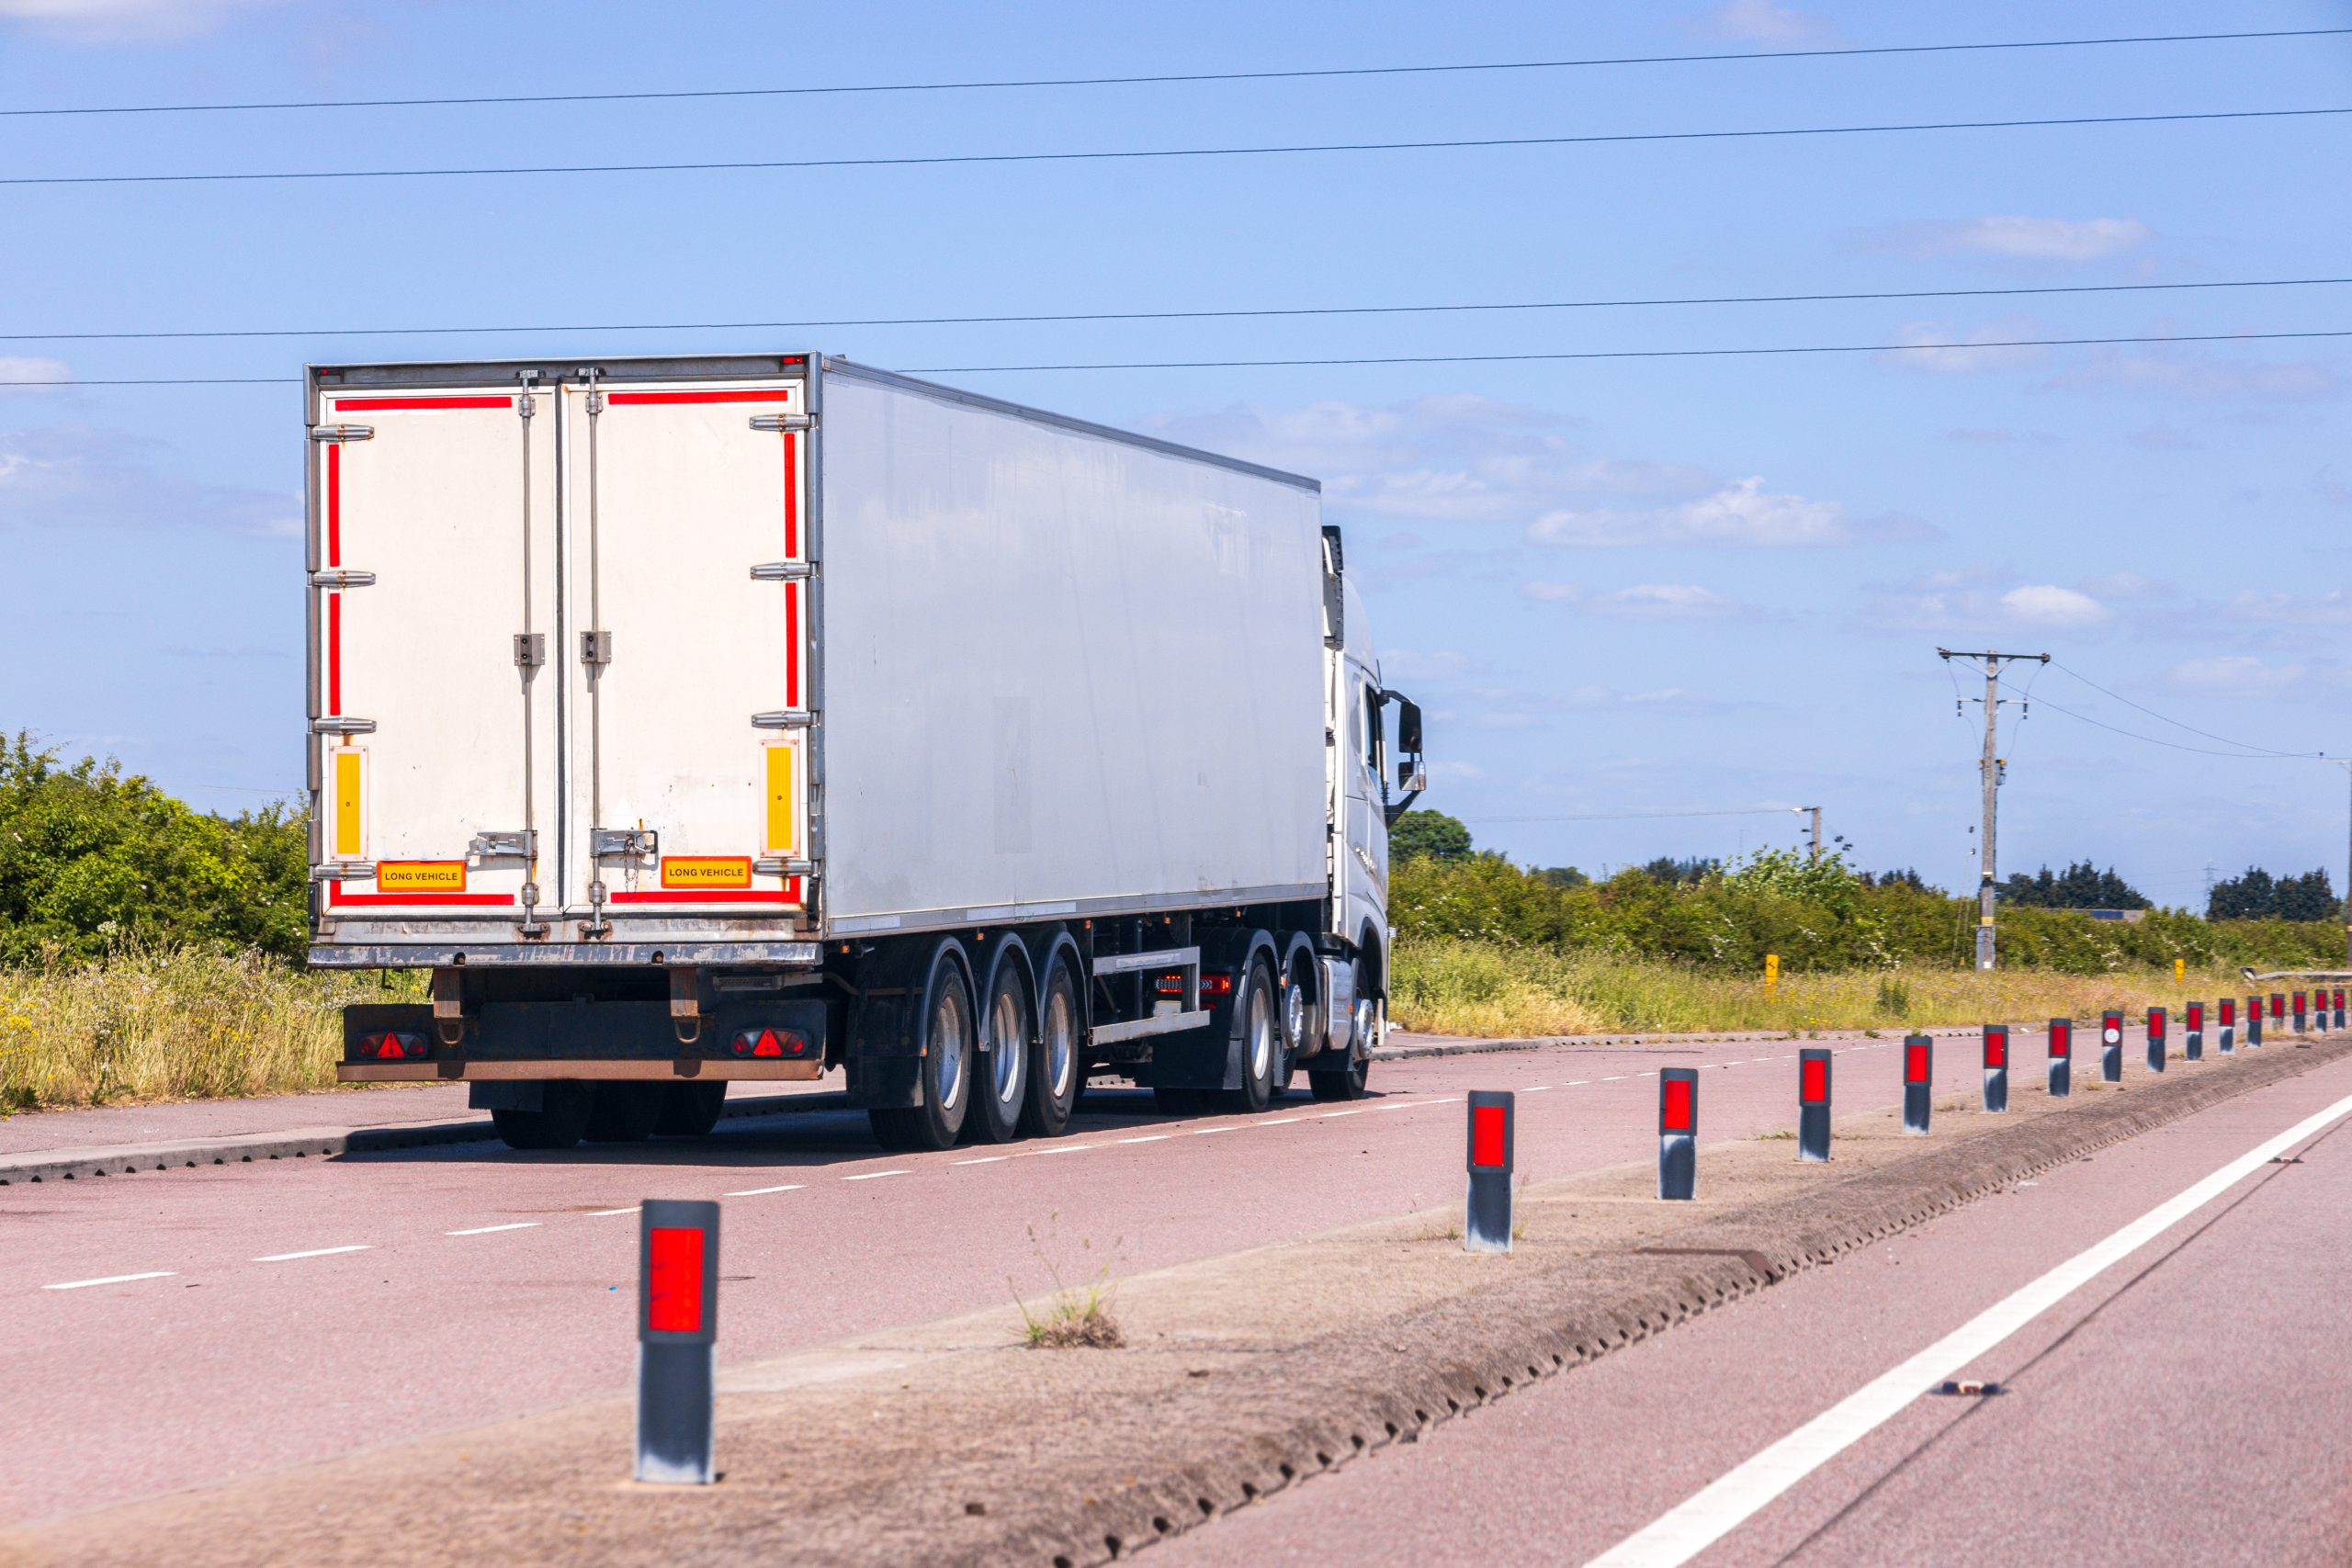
624,1112
944,1080
1058,1059
690,1110
1344,1083
559,1123
1257,1022
1001,1082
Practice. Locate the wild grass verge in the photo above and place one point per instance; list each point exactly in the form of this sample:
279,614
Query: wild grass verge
171,1024
1446,985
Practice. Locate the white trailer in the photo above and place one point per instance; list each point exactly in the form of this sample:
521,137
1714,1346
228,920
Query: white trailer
695,720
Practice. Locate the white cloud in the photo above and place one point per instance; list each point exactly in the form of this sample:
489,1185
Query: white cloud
2124,585
125,21
2333,608
18,372
74,477
1646,602
2035,238
2046,605
1742,513
1938,348
2237,675
1765,22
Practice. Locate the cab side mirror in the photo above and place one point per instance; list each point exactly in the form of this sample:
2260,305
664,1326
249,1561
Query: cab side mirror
1408,727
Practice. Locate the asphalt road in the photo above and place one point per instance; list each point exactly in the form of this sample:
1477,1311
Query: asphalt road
179,1327
2191,1404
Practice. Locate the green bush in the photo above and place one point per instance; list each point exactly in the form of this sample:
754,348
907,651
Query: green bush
91,860
1818,916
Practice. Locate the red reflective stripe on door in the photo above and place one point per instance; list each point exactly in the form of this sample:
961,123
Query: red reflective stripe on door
334,653
748,395
1487,1135
674,1296
337,896
335,503
388,405
791,496
790,895
792,645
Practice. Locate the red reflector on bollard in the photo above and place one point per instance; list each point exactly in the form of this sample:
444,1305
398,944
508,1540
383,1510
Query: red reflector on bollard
1996,1050
1674,1116
1915,1064
675,1302
1487,1135
1813,1082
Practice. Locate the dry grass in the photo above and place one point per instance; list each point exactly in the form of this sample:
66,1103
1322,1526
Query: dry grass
1074,1317
1485,989
172,1024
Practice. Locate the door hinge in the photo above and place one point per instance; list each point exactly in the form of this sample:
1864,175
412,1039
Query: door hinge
343,580
770,865
530,649
503,843
783,571
624,843
340,725
783,422
595,648
345,871
784,719
343,433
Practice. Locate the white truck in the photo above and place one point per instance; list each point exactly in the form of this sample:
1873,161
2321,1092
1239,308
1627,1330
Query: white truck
742,717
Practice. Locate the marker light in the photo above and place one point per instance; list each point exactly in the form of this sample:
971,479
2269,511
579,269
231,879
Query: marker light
392,1045
768,1042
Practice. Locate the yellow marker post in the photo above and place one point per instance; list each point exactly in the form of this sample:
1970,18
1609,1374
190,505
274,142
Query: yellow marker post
1771,972
2179,969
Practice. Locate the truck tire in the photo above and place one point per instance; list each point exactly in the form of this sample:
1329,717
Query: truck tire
1257,1022
559,1123
690,1110
1056,1059
1342,1083
620,1112
944,1080
1000,1079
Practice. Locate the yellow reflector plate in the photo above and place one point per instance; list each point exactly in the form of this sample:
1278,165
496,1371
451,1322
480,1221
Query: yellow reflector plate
706,871
346,803
782,816
420,876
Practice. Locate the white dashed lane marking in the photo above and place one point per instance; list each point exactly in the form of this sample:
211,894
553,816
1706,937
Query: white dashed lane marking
875,1175
984,1159
110,1280
763,1191
313,1252
600,1213
1148,1138
493,1230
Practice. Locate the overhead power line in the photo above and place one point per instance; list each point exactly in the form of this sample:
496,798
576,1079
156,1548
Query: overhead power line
1150,153
1644,815
2264,755
1247,313
1387,358
1161,79
2243,745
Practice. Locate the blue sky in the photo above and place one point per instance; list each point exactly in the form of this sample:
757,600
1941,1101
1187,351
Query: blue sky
1618,586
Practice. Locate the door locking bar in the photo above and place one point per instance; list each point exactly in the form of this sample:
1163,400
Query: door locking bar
503,843
624,843
596,649
530,649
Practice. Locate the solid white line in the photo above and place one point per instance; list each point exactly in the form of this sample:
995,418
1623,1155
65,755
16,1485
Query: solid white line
984,1159
314,1252
489,1230
875,1175
1718,1509
763,1191
600,1213
112,1280
1148,1138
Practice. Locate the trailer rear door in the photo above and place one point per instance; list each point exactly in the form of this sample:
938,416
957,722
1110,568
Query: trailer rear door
435,720
688,721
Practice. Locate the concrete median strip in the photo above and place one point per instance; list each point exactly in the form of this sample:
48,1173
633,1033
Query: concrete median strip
948,1443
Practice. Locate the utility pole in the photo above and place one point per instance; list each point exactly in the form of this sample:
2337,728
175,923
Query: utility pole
1990,769
1816,810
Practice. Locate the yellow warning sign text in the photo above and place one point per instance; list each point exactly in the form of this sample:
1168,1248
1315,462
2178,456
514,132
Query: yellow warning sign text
420,876
706,871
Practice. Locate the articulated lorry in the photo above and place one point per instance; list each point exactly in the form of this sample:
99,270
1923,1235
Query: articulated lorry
701,720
